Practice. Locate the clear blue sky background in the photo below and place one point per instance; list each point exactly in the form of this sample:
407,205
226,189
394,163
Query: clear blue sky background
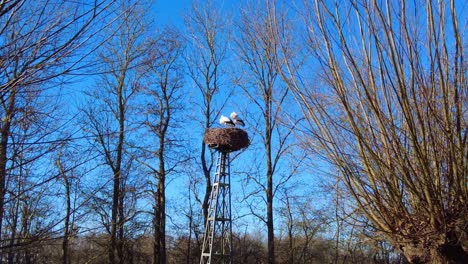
170,11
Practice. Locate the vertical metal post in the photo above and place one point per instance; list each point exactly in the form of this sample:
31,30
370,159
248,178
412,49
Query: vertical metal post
217,241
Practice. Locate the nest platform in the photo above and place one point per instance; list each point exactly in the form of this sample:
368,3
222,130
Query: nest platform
226,139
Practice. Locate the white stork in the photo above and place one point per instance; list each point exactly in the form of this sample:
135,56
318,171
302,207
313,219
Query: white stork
226,121
236,119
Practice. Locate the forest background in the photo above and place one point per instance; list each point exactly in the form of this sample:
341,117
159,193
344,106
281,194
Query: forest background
356,112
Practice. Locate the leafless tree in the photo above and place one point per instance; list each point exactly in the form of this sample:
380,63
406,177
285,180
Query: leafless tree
68,208
257,48
289,219
40,41
390,112
162,90
108,112
25,204
208,40
67,163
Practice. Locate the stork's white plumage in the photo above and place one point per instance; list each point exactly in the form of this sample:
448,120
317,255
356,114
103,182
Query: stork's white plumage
236,119
226,121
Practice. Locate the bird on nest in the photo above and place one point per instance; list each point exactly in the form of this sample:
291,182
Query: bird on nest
224,120
236,119
233,121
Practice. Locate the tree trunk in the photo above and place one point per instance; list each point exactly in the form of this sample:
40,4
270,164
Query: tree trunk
269,164
448,252
156,234
115,204
66,229
5,133
159,243
120,226
206,173
162,216
270,227
12,255
269,198
160,212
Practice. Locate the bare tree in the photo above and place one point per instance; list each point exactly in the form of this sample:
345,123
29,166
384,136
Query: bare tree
37,48
108,113
67,163
257,48
302,223
68,208
208,40
393,116
287,213
163,96
25,203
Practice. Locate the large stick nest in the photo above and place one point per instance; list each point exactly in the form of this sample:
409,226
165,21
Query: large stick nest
226,139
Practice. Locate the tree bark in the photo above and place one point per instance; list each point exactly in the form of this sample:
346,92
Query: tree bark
117,207
269,196
449,251
159,249
206,173
66,229
5,134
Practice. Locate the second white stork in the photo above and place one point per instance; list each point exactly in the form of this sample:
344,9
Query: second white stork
226,121
236,119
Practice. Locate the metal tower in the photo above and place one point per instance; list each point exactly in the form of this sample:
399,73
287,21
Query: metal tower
217,241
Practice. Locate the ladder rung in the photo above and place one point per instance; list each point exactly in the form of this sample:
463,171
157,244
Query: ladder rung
220,254
216,184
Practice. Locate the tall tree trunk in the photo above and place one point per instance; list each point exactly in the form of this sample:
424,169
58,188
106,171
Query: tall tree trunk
268,115
162,218
162,192
66,229
206,173
120,226
12,255
204,162
270,226
290,226
156,234
160,212
269,199
5,134
159,236
117,209
189,238
115,202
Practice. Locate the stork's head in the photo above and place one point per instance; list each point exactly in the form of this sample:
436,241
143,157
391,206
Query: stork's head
234,115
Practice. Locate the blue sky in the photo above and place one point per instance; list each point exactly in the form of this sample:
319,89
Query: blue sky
170,11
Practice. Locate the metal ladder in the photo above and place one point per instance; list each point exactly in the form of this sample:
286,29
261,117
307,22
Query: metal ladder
217,241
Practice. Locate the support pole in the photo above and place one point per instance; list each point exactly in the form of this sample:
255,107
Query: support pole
217,241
